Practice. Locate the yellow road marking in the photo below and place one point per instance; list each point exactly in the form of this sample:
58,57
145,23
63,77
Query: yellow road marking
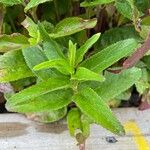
139,139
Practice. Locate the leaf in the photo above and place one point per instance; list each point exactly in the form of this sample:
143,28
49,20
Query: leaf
115,84
108,56
13,67
142,5
10,2
52,48
72,54
85,126
122,33
72,25
47,102
143,84
12,42
34,3
49,116
95,108
74,121
37,90
95,2
35,55
32,28
128,9
84,74
124,7
60,64
146,60
84,48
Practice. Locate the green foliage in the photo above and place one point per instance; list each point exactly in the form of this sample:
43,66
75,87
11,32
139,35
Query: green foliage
12,42
13,67
66,59
11,2
72,25
95,2
110,55
96,107
50,115
34,3
84,74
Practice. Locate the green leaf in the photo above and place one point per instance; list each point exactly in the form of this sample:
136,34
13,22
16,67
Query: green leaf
115,84
85,126
128,9
142,5
32,28
72,54
95,108
60,64
84,74
84,48
34,3
95,2
108,56
13,67
52,48
146,60
72,25
37,90
74,121
122,33
50,116
10,2
51,101
35,55
143,84
12,42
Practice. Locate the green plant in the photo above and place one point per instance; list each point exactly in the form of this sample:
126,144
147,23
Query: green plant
60,69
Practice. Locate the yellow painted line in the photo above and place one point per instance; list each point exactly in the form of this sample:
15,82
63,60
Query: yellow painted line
140,141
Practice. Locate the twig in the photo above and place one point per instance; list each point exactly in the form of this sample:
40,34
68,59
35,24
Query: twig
138,54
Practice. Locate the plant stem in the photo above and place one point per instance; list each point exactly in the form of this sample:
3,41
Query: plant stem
12,23
2,13
56,10
32,12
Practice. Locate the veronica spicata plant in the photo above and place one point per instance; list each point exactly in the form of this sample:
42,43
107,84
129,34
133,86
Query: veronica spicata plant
58,60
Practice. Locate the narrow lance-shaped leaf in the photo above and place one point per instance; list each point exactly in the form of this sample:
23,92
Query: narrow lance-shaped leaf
39,89
13,67
61,65
95,2
10,2
95,108
124,32
32,28
84,48
35,55
72,54
108,56
12,42
72,25
51,47
84,74
115,84
47,102
34,3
